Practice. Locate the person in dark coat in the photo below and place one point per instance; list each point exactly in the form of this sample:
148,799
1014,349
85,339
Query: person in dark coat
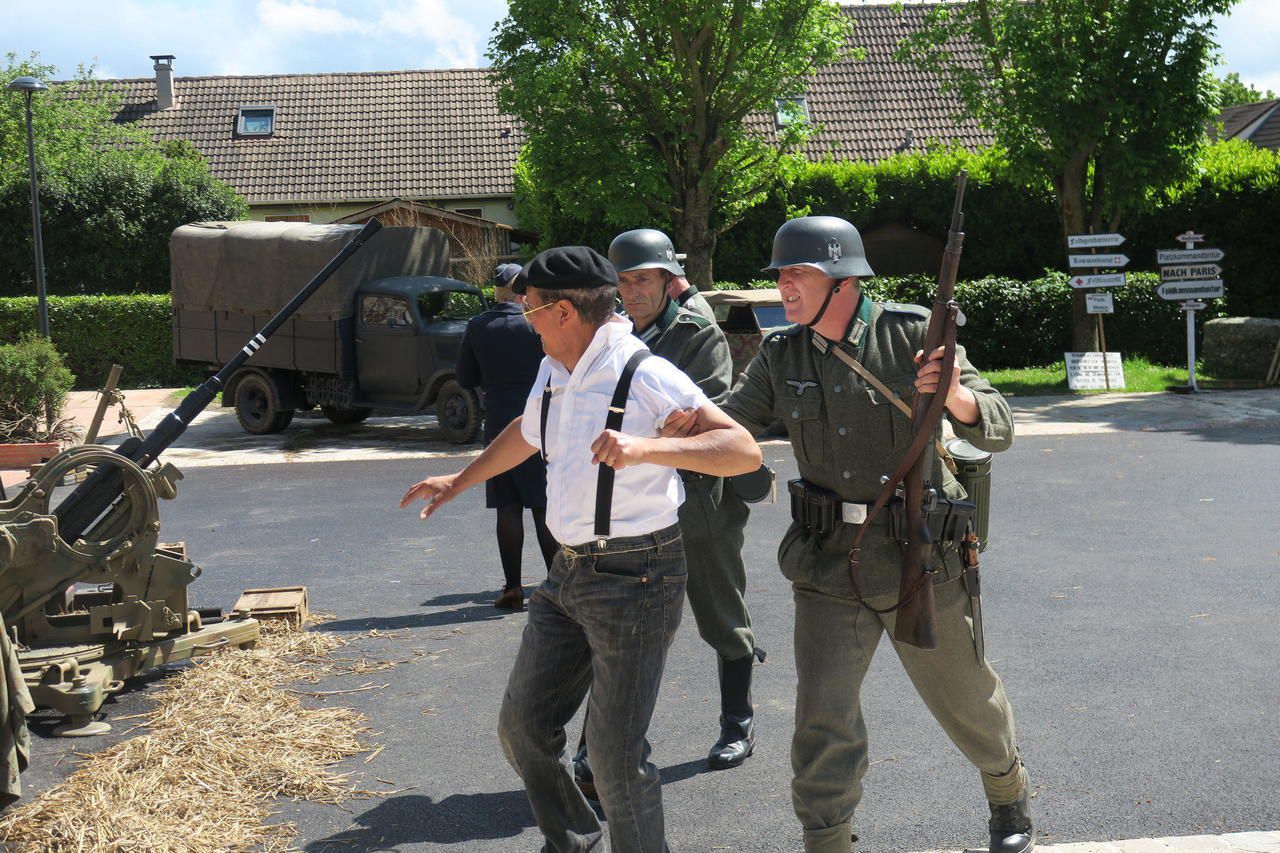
500,355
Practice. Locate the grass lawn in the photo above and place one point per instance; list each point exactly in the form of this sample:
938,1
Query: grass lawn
1139,375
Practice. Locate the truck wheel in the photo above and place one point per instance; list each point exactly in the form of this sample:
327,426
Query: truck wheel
458,411
339,415
258,406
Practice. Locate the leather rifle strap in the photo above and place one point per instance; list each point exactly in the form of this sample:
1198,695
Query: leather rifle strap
932,417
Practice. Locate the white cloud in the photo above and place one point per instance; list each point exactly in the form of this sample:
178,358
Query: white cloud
454,39
298,18
1248,38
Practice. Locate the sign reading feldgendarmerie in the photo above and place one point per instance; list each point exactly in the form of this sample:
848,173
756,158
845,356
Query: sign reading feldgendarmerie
1094,241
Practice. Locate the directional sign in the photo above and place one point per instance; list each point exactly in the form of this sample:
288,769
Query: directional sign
1101,260
1190,237
1082,282
1093,241
1099,303
1190,272
1178,291
1193,306
1188,256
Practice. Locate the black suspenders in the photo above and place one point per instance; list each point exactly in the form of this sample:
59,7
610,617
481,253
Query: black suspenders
613,421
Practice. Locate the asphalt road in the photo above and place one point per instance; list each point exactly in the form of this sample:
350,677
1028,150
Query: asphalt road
1131,594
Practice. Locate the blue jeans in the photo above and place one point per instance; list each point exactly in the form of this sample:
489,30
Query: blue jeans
603,620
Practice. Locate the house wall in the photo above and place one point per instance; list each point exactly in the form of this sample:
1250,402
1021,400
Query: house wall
497,209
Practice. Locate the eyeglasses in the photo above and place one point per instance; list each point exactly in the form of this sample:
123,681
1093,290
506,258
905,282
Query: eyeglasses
527,311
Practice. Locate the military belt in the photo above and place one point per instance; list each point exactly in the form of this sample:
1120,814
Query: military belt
821,510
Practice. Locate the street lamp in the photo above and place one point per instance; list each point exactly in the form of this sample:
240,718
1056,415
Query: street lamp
31,85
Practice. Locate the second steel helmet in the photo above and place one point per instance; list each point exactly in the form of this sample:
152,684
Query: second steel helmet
826,242
644,249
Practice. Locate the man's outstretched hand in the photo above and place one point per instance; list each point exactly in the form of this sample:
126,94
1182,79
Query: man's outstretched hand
436,491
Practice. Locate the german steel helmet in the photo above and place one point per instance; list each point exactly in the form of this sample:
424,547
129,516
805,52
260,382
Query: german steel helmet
644,249
826,242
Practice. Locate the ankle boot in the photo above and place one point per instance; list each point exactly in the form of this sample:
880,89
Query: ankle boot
1011,830
582,775
737,729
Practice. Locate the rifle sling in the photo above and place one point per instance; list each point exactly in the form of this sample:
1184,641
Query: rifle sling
924,432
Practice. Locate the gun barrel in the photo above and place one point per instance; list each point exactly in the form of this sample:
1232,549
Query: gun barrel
77,513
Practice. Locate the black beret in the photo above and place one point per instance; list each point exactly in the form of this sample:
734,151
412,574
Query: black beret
503,274
567,268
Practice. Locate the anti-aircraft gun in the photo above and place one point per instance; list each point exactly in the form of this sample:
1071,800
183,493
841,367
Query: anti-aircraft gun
77,647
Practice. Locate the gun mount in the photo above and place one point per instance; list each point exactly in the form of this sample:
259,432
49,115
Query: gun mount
87,590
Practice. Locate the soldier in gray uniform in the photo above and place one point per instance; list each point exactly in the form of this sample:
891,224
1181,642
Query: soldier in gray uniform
688,297
846,435
713,516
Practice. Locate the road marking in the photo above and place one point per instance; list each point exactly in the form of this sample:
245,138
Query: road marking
1244,842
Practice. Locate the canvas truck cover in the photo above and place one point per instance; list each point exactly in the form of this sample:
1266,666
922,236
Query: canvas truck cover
257,267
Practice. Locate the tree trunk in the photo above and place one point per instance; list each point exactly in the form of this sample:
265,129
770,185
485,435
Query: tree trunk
1071,208
695,237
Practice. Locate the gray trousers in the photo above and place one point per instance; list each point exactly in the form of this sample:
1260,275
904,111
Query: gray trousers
717,577
835,639
604,618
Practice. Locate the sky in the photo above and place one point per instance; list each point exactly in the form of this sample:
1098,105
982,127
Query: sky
239,37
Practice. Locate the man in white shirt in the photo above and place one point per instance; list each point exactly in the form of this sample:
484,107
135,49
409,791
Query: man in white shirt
607,613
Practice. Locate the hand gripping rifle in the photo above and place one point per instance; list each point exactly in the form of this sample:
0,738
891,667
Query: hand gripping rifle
78,512
916,624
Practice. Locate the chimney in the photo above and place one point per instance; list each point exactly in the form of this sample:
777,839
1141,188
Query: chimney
164,82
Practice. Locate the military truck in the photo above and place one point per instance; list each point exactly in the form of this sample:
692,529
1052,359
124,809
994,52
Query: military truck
382,333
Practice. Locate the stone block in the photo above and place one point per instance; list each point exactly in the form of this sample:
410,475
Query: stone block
1240,346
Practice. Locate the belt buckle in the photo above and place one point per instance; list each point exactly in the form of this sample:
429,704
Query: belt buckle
853,513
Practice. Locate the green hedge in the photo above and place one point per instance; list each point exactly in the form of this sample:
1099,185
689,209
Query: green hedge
1012,230
1014,323
93,332
1010,323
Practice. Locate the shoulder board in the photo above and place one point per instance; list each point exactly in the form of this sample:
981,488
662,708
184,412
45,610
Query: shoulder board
692,319
786,332
906,308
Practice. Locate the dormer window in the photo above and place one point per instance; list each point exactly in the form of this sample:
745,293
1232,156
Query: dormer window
256,120
791,111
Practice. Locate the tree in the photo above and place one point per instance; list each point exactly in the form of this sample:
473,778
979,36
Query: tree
1106,99
636,112
109,196
1232,92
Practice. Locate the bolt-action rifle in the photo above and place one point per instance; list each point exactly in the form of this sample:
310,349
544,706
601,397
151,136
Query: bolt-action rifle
916,623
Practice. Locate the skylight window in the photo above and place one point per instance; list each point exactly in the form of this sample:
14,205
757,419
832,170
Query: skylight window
791,111
256,121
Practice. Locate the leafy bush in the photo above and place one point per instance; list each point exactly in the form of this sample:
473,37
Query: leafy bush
1014,323
95,332
33,381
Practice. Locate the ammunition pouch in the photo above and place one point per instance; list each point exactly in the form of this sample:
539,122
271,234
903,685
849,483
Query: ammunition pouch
821,510
948,519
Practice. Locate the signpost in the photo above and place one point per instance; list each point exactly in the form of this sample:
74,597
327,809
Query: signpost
1095,303
1081,282
1113,261
1188,256
1099,303
1176,291
1190,272
1196,278
1094,241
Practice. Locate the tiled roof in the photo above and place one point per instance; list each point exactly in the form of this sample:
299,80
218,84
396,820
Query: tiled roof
867,108
1238,120
344,137
439,135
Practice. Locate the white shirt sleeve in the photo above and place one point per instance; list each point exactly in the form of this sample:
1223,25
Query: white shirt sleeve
531,423
662,388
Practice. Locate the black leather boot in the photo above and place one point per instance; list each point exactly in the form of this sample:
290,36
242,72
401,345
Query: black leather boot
1011,830
737,729
582,775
